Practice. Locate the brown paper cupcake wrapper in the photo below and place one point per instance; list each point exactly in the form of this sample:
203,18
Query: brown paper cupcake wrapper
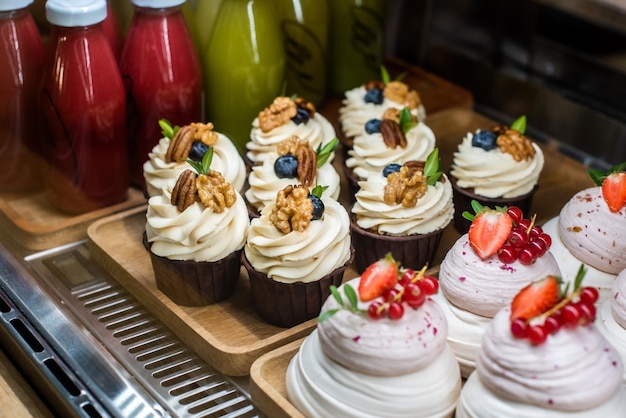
462,199
289,304
196,283
413,251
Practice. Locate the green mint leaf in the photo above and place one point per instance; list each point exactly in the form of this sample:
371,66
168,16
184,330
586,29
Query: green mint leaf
323,153
327,315
167,129
336,295
406,120
401,76
197,167
580,275
617,168
318,190
432,167
597,176
384,75
206,161
351,295
520,124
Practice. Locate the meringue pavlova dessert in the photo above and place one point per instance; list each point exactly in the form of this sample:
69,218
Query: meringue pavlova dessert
195,234
484,270
402,210
394,138
591,229
294,161
371,100
379,350
169,156
544,357
612,318
496,167
284,118
296,249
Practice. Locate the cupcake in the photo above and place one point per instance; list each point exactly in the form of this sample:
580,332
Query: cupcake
395,138
168,158
377,352
284,118
590,229
484,270
296,249
195,233
293,161
372,100
612,318
402,211
544,357
496,167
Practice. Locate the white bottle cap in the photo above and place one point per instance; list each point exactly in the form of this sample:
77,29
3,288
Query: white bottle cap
6,5
76,12
157,4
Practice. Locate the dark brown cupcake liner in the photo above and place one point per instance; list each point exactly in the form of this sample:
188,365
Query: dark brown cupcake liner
196,283
289,304
462,199
412,251
353,183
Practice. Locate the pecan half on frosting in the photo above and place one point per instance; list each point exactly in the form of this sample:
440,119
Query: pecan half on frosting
392,134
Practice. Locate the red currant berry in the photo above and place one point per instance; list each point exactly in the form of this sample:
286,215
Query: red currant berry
395,311
537,334
540,247
535,231
390,294
570,315
552,324
519,328
507,254
375,310
527,255
429,285
515,213
414,296
589,294
588,312
524,223
518,237
547,239
407,276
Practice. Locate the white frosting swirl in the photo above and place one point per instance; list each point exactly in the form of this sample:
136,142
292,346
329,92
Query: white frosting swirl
319,387
383,347
575,369
355,112
485,286
592,233
316,130
433,211
264,184
300,256
226,159
495,173
197,233
370,155
569,264
479,402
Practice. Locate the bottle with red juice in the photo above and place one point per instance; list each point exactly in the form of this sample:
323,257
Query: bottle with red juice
162,74
83,103
21,54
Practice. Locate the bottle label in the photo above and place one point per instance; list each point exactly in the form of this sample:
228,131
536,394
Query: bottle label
306,59
367,35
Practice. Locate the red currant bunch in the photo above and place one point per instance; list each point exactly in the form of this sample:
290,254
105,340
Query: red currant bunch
526,241
412,289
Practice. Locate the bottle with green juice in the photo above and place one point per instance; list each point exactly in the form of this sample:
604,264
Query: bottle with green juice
244,66
356,46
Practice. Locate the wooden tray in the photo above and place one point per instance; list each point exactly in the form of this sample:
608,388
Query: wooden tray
229,335
33,223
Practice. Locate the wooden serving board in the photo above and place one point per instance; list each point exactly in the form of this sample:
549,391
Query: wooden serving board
228,335
30,220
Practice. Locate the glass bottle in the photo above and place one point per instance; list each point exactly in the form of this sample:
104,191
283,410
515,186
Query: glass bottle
112,31
162,74
304,26
200,16
244,66
83,102
21,54
356,46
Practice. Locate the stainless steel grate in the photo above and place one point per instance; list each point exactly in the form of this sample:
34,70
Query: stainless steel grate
172,373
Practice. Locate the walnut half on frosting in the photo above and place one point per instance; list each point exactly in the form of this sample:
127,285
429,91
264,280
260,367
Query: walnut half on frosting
293,209
514,143
406,186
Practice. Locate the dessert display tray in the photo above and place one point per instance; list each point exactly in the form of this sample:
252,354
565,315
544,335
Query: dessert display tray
228,335
34,224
